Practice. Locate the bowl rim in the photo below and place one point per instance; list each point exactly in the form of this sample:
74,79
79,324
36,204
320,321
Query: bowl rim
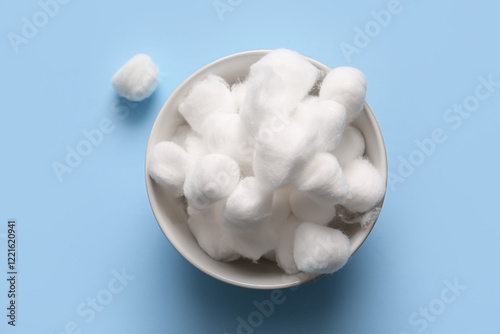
174,242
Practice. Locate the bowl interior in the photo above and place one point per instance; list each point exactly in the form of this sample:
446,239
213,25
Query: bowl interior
170,212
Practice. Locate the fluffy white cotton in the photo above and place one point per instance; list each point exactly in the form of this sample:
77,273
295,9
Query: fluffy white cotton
366,219
320,249
209,96
239,92
281,155
180,135
323,180
308,210
195,145
330,116
280,209
347,86
137,79
265,167
285,245
225,245
252,244
351,146
211,179
268,102
226,134
369,217
168,164
367,187
207,230
298,74
248,206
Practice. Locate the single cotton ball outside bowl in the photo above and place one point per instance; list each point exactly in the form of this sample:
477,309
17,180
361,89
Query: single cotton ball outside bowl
170,212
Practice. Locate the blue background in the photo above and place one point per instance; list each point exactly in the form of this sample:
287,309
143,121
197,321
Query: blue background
439,225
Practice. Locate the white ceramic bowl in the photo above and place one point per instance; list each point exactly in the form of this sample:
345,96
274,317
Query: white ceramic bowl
170,212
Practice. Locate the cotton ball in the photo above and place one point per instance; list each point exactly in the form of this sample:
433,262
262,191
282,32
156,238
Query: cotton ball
347,86
195,145
239,92
308,210
296,70
212,178
351,146
248,206
137,79
209,96
281,154
180,135
268,102
206,228
168,164
226,134
285,245
330,116
252,244
320,249
280,209
323,180
367,187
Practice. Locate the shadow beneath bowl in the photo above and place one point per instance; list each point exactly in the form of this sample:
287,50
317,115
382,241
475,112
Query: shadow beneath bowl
225,308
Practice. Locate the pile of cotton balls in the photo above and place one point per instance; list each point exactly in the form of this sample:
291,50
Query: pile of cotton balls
264,165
